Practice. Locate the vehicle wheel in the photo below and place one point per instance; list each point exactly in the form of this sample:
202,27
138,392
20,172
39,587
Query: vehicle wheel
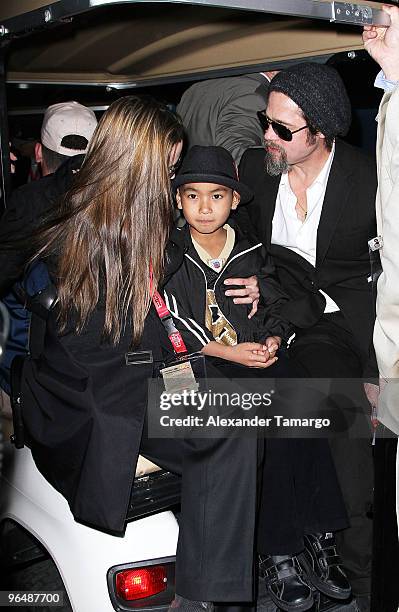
40,577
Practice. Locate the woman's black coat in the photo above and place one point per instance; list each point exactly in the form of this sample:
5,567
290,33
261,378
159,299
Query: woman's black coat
83,407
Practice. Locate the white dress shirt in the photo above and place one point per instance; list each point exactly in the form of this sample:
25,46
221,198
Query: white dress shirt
291,232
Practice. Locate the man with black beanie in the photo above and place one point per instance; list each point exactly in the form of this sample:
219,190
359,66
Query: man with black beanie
314,209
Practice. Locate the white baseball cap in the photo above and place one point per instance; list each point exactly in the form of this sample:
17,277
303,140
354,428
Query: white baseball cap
67,119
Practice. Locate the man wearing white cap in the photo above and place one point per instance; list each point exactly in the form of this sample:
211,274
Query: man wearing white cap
66,131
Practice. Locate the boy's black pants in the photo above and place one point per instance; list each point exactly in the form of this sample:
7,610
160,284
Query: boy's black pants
215,552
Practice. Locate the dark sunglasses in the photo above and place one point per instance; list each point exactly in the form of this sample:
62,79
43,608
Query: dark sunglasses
280,130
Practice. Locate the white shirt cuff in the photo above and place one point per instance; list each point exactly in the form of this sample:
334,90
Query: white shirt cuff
383,83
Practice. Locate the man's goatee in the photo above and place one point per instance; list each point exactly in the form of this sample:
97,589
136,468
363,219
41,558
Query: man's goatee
276,165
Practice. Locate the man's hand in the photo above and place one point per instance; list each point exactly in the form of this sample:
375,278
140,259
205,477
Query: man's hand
251,354
248,294
13,158
271,74
372,392
383,43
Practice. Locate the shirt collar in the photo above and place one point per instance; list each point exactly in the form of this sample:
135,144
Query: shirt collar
322,177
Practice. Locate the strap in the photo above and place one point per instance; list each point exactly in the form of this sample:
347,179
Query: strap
282,569
375,271
18,437
163,313
167,321
40,305
42,302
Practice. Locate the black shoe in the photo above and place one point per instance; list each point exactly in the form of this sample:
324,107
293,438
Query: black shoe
282,576
181,604
322,566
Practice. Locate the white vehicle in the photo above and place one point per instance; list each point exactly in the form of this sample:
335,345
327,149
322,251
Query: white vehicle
96,51
46,550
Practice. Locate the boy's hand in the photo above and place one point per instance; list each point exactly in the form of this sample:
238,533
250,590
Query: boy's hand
251,354
272,344
248,294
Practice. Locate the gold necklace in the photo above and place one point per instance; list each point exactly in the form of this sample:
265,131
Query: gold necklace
304,210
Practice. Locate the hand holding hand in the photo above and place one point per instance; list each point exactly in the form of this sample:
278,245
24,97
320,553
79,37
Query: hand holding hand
252,355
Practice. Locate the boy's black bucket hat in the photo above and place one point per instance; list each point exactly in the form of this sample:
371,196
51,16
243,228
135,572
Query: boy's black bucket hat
211,165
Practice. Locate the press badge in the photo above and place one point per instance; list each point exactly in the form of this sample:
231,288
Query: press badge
184,374
375,244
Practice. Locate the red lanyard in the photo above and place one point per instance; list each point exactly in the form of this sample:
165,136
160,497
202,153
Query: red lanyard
166,319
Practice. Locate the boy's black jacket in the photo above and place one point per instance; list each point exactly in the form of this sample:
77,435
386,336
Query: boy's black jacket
185,291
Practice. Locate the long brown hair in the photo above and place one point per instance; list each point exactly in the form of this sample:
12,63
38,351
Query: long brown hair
115,220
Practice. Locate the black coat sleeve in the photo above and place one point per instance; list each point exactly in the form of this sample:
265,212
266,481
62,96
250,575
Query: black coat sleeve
30,206
273,297
249,161
15,248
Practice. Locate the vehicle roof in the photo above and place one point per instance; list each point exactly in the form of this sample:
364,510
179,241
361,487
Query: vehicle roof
141,42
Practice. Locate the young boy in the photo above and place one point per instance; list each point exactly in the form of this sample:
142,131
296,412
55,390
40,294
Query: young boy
300,502
207,190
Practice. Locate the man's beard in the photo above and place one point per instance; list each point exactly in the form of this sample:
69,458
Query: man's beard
275,162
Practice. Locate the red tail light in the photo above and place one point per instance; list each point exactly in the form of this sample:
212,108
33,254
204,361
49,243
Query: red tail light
142,582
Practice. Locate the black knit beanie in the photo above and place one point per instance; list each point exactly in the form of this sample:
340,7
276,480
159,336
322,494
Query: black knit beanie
320,93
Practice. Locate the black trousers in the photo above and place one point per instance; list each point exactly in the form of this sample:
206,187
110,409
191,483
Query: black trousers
300,494
215,552
298,488
327,350
216,539
385,592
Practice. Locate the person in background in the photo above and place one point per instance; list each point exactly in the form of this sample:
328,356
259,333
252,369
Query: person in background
66,132
383,45
222,112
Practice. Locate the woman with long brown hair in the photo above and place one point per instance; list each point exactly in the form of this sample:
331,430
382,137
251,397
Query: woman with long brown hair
116,217
84,389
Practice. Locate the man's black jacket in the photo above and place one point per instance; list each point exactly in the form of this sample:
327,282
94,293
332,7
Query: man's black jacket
28,207
346,224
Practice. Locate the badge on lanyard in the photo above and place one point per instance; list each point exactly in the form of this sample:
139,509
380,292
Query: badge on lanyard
186,373
179,377
180,374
